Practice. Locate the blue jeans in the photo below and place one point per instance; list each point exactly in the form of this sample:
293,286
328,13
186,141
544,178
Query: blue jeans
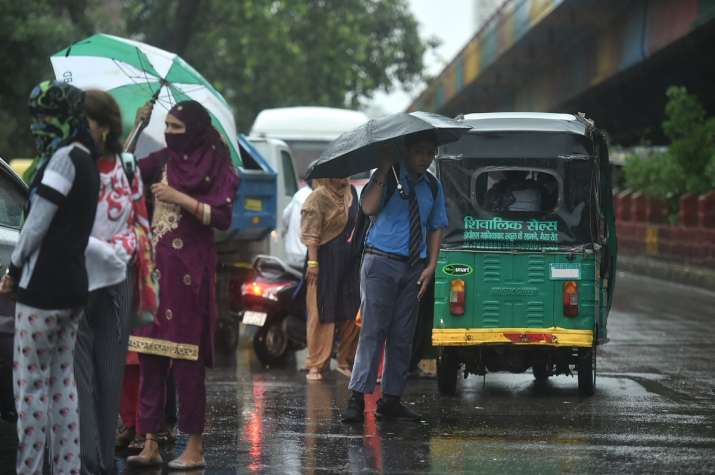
388,290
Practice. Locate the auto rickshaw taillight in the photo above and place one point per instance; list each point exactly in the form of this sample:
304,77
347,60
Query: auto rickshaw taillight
570,299
456,297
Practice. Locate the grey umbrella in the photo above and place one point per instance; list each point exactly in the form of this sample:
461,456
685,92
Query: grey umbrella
356,151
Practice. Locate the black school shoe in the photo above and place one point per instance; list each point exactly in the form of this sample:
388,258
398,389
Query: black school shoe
390,407
355,412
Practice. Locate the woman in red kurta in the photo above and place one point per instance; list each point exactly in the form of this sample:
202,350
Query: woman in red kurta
193,184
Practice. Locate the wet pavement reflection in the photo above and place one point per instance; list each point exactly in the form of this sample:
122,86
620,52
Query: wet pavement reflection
653,410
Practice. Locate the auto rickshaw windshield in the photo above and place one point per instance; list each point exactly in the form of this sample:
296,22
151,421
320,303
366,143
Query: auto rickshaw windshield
520,202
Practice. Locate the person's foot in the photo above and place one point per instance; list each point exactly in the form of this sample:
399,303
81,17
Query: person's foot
124,436
192,457
314,375
149,456
182,463
390,407
419,373
345,371
137,444
355,411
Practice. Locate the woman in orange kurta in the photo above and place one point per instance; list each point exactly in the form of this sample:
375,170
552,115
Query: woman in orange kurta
333,293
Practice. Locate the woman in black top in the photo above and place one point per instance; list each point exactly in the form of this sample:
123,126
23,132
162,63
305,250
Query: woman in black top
47,275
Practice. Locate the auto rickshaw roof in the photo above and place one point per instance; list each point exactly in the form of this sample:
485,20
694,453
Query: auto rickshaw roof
523,135
526,122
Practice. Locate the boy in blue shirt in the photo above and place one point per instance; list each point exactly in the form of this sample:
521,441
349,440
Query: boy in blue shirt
397,269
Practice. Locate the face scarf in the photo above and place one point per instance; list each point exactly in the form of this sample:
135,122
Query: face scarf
198,159
199,130
58,119
179,143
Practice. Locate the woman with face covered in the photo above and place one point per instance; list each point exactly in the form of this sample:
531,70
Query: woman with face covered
48,277
193,184
328,220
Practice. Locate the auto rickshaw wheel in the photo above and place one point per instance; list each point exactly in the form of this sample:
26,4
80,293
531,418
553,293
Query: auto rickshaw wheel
447,371
587,370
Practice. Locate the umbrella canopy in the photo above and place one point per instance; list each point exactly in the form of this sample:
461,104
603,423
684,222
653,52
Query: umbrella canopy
134,73
356,151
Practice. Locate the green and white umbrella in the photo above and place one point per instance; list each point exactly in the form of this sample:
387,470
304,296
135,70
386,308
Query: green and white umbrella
134,73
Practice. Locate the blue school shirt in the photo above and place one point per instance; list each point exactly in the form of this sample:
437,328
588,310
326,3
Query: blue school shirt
390,231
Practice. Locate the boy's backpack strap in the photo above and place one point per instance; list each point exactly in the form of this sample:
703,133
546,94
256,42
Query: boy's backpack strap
433,183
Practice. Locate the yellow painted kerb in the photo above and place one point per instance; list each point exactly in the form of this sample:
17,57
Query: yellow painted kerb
491,336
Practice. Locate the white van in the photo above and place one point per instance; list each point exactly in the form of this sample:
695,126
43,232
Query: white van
306,130
278,156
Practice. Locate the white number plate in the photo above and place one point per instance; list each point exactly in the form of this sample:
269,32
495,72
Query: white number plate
254,318
565,271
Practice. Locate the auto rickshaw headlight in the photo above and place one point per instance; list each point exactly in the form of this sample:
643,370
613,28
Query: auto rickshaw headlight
456,297
570,298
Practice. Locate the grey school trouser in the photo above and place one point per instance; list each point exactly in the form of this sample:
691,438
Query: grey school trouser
99,369
388,290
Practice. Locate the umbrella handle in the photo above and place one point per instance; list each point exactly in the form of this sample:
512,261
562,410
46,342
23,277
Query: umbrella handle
400,190
133,136
155,96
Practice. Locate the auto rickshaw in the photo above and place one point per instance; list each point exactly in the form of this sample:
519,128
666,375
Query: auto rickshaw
526,271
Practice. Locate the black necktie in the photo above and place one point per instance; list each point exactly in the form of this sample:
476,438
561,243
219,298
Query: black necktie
415,227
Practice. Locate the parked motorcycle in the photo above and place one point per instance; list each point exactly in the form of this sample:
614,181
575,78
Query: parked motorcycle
274,301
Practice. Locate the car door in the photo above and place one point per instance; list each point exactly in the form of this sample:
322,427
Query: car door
13,194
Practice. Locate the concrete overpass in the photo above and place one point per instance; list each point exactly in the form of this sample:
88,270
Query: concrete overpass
612,59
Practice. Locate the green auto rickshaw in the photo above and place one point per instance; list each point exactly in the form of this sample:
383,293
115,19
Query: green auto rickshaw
526,271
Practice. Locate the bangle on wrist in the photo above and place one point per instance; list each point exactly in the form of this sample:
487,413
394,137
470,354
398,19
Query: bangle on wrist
312,264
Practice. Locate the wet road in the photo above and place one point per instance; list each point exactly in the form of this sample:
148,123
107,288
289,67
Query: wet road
653,411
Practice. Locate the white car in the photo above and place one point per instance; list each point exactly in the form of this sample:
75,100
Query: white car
13,194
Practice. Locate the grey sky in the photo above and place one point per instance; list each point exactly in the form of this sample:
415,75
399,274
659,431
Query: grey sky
452,21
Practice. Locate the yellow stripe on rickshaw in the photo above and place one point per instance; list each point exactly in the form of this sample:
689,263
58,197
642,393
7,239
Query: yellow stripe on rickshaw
553,336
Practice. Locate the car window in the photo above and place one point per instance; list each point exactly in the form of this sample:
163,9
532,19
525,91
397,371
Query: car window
291,187
12,203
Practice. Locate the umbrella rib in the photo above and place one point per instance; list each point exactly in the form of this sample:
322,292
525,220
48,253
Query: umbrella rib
163,102
131,77
135,76
146,77
145,83
188,90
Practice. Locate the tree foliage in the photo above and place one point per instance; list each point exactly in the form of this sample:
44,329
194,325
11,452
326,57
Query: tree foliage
257,53
268,53
688,166
30,32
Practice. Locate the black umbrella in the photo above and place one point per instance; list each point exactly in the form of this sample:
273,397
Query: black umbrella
356,151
